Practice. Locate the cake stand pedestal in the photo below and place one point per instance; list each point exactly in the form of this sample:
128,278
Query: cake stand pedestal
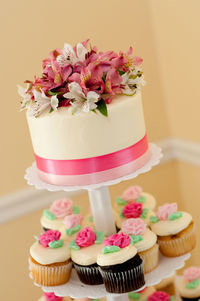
103,218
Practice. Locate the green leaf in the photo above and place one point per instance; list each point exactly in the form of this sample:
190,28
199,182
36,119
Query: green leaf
74,246
76,210
90,219
175,215
135,239
171,298
120,201
102,108
49,215
142,199
121,214
193,284
56,244
110,249
144,213
99,237
73,230
153,219
134,296
121,72
53,93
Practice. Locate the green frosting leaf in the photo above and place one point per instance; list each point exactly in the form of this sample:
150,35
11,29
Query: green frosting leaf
76,210
56,244
102,108
134,296
171,298
121,214
73,230
193,284
120,201
175,215
153,219
110,249
144,213
142,199
135,239
74,246
49,215
90,218
99,237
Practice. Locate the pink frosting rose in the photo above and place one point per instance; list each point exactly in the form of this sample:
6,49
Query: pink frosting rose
85,237
52,297
72,220
118,239
132,193
159,296
61,207
192,273
165,210
133,209
49,236
134,226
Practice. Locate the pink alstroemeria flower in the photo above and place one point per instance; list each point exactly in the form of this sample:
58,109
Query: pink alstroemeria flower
112,83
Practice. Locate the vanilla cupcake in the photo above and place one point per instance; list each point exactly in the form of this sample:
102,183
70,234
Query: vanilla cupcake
175,230
120,265
52,218
53,297
134,194
132,210
167,285
141,295
160,296
144,240
84,250
188,285
49,260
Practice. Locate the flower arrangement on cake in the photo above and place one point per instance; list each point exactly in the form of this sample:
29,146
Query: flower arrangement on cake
83,78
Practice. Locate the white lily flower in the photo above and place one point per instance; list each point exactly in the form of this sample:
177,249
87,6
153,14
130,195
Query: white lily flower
42,104
26,96
130,80
69,56
79,101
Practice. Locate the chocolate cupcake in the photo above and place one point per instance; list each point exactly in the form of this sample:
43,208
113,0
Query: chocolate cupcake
84,250
188,285
52,218
120,265
144,240
175,230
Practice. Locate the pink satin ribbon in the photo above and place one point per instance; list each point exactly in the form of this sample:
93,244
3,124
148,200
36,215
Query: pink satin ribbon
94,164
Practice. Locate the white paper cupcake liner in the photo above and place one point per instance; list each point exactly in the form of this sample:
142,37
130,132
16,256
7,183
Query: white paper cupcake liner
178,246
50,275
150,258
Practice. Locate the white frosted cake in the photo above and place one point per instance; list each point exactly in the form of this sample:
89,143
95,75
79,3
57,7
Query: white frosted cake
89,127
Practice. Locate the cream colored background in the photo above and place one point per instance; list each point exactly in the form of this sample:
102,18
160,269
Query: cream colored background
165,33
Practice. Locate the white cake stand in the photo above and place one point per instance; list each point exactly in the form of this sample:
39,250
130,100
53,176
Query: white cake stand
103,218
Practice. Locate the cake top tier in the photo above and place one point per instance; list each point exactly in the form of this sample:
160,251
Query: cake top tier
83,79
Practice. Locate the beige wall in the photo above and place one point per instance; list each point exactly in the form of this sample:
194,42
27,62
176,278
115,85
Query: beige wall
165,33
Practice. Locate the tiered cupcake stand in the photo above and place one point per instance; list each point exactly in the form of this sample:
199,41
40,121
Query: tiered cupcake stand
103,218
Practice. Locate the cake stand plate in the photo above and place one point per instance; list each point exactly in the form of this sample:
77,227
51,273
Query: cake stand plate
33,179
75,289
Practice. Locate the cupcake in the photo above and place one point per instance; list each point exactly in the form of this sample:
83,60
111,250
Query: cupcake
52,218
53,297
134,194
49,260
160,296
141,295
167,285
175,230
144,240
188,285
132,210
120,265
84,250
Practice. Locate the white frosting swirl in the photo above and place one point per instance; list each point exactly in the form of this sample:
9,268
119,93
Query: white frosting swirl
149,240
116,257
48,255
86,256
55,224
171,227
186,292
